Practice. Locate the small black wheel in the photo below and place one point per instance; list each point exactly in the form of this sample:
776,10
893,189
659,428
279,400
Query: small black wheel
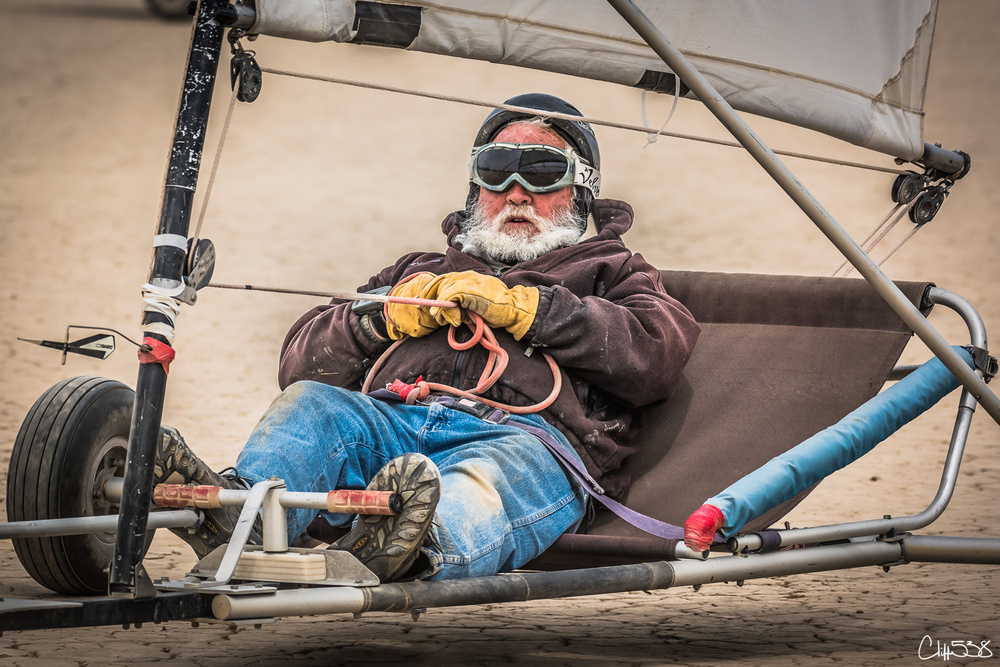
170,9
73,440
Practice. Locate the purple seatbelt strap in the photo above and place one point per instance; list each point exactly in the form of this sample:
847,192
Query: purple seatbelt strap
572,465
647,524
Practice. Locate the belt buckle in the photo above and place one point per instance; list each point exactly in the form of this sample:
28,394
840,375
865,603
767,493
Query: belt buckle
480,410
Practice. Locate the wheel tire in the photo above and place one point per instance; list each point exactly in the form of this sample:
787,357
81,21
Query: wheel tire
169,9
74,438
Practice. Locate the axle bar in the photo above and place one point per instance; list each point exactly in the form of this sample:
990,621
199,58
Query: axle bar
343,501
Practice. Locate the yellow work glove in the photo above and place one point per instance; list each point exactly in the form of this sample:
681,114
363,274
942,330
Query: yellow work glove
410,320
512,308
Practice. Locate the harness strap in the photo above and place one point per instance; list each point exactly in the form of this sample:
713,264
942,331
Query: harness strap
647,524
475,408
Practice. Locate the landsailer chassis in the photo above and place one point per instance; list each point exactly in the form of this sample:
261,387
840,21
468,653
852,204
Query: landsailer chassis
216,591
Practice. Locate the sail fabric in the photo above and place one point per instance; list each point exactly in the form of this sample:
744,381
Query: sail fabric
852,69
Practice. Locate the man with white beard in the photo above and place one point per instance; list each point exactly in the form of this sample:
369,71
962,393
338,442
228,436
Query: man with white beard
491,448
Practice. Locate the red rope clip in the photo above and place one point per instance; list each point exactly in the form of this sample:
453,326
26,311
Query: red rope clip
159,353
410,393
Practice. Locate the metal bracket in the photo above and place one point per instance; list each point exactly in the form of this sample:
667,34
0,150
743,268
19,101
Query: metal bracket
241,533
985,362
190,582
214,572
200,267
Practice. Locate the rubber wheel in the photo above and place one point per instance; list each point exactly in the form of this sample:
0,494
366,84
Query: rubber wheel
170,9
74,438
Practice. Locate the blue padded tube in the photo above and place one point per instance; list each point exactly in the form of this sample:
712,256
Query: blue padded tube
831,449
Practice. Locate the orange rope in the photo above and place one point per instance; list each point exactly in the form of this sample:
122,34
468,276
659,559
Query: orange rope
496,364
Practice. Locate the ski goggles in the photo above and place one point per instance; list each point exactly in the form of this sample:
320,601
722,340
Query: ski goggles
537,167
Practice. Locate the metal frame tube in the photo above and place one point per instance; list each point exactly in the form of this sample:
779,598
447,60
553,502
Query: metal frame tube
701,87
275,521
942,549
166,271
518,587
784,563
953,163
83,525
949,475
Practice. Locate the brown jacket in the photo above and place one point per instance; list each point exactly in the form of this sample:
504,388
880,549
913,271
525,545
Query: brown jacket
604,316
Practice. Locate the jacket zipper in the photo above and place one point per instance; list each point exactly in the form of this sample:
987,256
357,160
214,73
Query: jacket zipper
459,362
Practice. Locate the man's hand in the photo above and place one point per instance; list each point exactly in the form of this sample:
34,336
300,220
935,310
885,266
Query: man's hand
512,308
410,320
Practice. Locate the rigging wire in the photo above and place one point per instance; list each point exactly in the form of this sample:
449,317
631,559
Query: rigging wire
551,114
215,166
844,269
883,228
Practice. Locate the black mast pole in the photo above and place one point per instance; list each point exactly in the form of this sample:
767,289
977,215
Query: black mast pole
166,273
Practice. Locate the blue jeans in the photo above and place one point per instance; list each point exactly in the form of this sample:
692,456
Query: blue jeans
504,498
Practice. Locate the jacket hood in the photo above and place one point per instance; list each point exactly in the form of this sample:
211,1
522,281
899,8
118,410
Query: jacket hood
612,218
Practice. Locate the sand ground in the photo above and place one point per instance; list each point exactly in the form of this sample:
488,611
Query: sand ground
320,186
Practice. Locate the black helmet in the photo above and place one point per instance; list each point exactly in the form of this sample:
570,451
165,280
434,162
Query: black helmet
577,133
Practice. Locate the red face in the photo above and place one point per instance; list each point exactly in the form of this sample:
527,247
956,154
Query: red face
545,205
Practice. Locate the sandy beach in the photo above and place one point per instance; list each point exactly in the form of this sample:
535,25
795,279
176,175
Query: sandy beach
321,186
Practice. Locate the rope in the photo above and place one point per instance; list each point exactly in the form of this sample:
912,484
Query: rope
215,165
652,136
349,296
552,114
482,334
496,364
882,229
899,245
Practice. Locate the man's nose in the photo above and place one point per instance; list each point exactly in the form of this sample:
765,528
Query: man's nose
517,195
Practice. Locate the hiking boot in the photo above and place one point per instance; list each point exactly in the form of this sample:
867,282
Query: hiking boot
175,463
388,545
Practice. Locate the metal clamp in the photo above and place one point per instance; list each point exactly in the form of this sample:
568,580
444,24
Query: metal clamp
985,362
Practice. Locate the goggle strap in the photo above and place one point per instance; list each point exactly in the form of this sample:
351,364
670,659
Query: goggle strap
587,176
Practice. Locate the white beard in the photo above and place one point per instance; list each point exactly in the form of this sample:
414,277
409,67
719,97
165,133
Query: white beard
483,236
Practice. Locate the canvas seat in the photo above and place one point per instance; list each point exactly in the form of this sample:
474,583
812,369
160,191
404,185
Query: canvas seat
779,359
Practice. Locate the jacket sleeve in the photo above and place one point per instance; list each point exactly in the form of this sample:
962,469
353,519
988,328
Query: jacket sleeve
631,342
327,344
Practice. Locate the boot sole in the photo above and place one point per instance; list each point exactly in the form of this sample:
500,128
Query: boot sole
388,545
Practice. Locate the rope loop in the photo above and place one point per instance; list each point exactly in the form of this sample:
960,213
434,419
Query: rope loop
496,364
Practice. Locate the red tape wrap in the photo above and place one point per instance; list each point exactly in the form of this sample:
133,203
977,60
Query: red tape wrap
159,353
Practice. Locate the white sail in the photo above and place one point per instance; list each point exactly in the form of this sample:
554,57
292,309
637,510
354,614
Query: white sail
853,69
